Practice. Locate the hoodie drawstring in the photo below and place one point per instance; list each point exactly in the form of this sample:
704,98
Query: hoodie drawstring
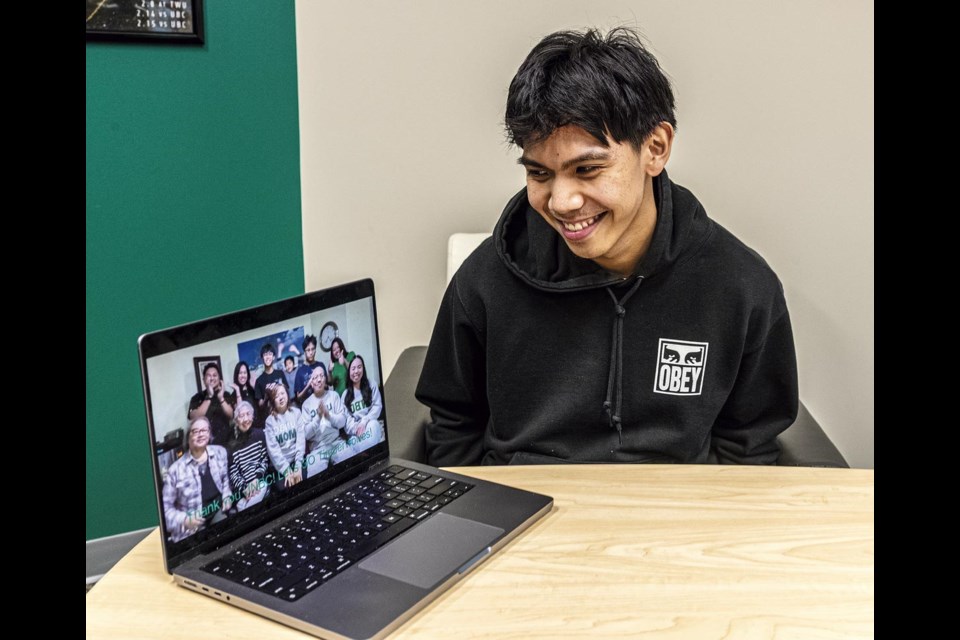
616,360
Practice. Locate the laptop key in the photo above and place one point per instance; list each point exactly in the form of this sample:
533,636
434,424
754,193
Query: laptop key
218,566
370,545
313,582
265,579
440,487
430,482
287,581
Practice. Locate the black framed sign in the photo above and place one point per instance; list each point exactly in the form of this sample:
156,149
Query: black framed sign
145,20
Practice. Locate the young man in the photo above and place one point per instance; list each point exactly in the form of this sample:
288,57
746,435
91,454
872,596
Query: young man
268,378
607,319
301,389
290,372
215,404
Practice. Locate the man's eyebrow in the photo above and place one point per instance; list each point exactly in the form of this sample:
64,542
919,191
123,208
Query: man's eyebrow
583,157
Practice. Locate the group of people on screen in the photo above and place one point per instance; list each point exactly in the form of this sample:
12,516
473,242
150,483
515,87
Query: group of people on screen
268,435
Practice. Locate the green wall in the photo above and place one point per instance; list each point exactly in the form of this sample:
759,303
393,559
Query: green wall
193,209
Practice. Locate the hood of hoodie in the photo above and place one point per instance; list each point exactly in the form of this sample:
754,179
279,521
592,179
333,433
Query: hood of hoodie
535,252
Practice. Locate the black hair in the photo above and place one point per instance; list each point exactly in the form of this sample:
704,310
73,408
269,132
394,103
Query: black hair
326,376
211,365
236,376
606,85
366,392
343,347
267,347
320,365
309,340
290,358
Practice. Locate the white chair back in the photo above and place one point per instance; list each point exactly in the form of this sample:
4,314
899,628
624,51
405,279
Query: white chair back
459,246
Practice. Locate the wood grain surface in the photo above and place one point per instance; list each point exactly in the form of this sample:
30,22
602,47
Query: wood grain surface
647,551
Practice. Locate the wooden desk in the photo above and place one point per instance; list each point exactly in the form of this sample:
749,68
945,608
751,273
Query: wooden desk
658,551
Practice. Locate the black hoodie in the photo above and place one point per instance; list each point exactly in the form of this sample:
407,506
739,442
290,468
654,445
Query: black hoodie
540,356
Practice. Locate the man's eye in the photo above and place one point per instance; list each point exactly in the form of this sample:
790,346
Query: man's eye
587,170
536,174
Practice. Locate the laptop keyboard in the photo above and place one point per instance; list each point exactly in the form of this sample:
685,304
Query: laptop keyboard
301,554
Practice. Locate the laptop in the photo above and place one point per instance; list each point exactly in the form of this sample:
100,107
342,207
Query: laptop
286,502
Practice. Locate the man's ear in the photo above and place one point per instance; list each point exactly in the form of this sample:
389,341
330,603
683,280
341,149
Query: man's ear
658,146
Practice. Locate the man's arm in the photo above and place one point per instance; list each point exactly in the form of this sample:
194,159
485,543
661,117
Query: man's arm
763,403
453,385
338,414
300,387
199,405
259,391
227,402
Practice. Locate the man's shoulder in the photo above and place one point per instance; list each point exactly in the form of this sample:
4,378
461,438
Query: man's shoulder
726,268
482,271
728,254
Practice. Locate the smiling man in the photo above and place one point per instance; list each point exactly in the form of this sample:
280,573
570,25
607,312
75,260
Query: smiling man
608,318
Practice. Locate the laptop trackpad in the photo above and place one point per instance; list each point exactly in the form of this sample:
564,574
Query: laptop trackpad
432,550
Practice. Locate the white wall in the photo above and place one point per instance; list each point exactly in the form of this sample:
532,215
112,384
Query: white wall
401,105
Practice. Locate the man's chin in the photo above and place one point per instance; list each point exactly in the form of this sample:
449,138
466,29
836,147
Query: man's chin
586,250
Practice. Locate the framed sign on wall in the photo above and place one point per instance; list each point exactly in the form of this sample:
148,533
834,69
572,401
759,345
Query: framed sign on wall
145,20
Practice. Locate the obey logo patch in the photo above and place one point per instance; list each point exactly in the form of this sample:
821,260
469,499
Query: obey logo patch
680,367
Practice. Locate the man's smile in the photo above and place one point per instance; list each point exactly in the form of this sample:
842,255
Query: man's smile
579,229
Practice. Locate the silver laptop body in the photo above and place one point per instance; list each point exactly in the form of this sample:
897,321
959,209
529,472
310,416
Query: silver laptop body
367,597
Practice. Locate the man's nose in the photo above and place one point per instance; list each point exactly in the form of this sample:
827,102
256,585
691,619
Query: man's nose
565,198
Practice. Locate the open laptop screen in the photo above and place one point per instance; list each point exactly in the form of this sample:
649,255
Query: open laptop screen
252,412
